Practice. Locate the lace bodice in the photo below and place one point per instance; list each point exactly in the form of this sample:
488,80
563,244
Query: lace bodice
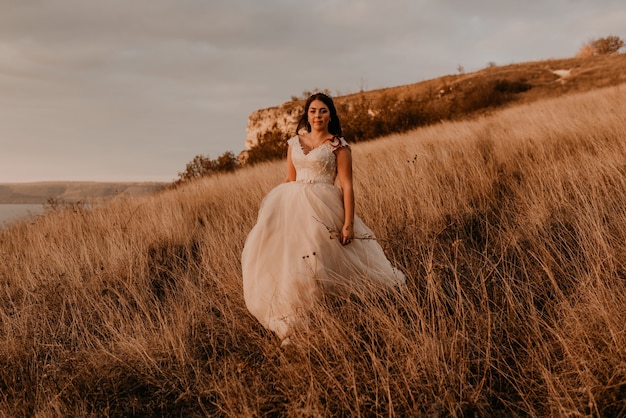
318,165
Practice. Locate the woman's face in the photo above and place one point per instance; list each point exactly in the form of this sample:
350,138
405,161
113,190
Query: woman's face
318,115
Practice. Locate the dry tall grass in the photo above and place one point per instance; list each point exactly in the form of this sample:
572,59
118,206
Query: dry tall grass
511,230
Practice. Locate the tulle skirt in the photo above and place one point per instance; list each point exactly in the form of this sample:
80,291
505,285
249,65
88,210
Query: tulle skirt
293,255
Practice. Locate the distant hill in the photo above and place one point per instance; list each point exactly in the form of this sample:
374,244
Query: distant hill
42,192
453,97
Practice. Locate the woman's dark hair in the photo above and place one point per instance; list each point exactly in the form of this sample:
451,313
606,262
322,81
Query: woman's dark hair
334,126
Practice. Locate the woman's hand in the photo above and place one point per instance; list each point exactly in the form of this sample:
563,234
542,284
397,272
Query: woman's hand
347,234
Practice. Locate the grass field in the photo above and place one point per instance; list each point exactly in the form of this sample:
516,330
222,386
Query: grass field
511,229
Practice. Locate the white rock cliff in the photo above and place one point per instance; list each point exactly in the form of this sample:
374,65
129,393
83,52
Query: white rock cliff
283,117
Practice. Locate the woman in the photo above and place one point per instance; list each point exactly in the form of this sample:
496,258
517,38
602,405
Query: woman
307,240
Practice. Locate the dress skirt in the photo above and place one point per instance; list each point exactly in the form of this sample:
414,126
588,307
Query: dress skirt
293,255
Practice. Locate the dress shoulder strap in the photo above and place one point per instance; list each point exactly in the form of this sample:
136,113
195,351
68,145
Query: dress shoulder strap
339,142
293,141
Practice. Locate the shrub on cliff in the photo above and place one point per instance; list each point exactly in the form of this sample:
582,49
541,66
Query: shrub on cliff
271,145
202,166
601,46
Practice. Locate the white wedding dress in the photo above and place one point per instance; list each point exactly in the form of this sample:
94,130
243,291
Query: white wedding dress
293,254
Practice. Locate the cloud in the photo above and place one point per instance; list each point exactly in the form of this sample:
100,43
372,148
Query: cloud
142,86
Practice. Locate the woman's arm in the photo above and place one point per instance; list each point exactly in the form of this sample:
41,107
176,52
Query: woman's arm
344,172
291,170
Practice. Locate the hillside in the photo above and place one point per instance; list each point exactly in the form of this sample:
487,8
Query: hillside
42,192
511,230
454,97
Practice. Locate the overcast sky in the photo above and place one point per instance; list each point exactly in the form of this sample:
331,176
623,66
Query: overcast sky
132,90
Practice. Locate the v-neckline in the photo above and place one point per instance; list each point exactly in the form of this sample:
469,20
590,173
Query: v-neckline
304,152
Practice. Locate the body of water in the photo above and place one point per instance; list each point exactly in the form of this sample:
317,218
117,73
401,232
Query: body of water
13,212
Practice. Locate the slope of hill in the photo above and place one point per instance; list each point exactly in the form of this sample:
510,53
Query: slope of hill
41,192
511,229
457,96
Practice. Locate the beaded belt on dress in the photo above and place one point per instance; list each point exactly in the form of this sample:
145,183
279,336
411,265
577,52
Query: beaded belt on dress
310,181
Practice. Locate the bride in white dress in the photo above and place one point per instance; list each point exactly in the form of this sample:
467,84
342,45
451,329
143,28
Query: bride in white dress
307,240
